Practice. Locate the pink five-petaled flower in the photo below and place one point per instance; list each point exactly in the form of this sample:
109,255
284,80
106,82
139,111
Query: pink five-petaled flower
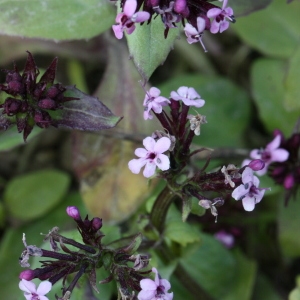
128,17
249,192
188,96
154,101
193,34
270,154
155,290
151,156
219,22
30,291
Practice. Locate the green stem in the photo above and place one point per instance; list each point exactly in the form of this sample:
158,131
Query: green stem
160,208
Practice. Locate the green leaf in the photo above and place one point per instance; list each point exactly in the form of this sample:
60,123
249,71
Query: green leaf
30,196
88,113
227,109
267,77
263,289
186,208
148,47
245,7
273,31
289,224
11,138
55,19
211,265
178,231
295,293
291,83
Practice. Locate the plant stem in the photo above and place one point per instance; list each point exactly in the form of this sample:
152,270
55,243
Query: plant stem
160,208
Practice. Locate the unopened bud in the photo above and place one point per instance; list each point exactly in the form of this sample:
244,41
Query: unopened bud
96,223
73,212
47,103
256,165
27,275
289,181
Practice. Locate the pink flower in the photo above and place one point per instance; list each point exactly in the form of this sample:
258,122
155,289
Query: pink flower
127,18
154,101
188,96
155,290
249,192
30,291
219,22
195,35
270,154
151,156
227,239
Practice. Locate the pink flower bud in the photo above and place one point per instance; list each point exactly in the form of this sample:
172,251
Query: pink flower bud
256,164
47,103
73,212
96,223
289,181
27,275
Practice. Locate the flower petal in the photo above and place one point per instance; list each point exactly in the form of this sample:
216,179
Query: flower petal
248,203
213,12
149,169
239,192
200,24
224,26
154,92
141,16
162,145
44,288
146,295
274,144
279,155
130,7
135,165
214,27
162,161
247,175
149,143
148,285
27,286
141,152
118,31
165,283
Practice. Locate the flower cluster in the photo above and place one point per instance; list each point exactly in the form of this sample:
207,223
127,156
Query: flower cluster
200,16
212,189
29,100
124,265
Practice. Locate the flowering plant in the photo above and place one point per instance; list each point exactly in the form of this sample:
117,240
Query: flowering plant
148,182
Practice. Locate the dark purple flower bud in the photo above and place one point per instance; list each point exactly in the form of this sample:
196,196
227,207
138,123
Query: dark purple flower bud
13,76
27,275
47,103
73,212
278,171
15,87
42,119
11,106
154,3
181,8
96,223
256,164
295,141
289,181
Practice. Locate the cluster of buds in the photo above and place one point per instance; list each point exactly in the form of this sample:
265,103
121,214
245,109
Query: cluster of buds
29,100
213,188
125,266
200,16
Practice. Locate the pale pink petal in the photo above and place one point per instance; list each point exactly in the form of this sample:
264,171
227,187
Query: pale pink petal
256,154
147,115
263,171
255,181
27,286
280,155
162,161
175,96
274,144
148,284
214,27
162,145
247,175
135,165
162,100
224,26
168,296
196,103
183,91
156,107
224,4
246,162
44,288
239,192
149,169
43,297
130,29
140,152
259,196
190,30
149,143
201,24
118,31
154,92
130,7
154,270
248,203
213,12
146,295
140,17
192,94
165,283
228,11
